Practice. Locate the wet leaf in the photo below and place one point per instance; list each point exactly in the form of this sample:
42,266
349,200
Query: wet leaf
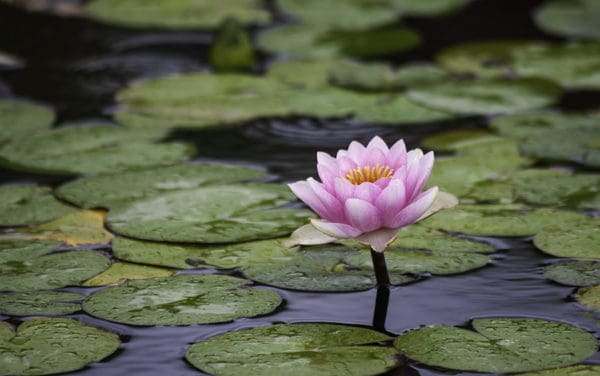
177,14
498,345
117,189
219,214
500,220
27,205
420,237
53,345
303,74
294,350
570,18
581,370
537,124
398,110
91,149
577,239
589,297
574,273
181,300
18,119
40,303
119,272
31,265
297,41
486,97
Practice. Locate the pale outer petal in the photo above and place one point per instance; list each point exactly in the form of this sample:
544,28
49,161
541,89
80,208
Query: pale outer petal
363,215
397,155
377,143
357,152
336,230
415,209
419,174
307,235
305,193
378,240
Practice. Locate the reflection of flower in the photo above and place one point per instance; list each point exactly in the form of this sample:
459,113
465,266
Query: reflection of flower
369,193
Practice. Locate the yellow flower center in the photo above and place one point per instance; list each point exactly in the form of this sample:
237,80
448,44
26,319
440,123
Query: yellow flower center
369,174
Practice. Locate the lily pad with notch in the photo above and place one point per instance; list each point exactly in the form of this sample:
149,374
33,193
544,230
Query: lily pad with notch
295,350
35,303
53,345
499,345
181,300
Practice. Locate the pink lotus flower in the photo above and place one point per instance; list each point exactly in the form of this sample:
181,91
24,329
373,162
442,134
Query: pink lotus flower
369,193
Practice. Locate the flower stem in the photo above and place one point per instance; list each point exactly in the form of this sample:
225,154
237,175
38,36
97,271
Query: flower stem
381,307
381,273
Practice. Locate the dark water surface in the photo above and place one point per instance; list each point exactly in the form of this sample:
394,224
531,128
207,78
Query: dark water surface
76,65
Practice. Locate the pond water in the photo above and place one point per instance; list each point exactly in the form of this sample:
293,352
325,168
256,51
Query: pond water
76,66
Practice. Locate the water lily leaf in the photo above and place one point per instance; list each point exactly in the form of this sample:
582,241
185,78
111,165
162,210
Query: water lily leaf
181,300
177,14
79,228
303,74
35,303
28,205
119,272
574,273
499,345
577,239
398,110
219,214
231,49
569,18
53,345
197,100
421,237
297,41
499,220
525,125
580,370
295,350
463,141
179,256
117,189
589,297
431,8
328,102
31,265
18,119
487,96
381,77
91,149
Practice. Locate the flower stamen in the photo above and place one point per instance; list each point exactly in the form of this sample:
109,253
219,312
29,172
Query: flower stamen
369,174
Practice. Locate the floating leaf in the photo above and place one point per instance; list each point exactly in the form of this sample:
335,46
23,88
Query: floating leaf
303,74
500,220
574,273
398,110
181,300
486,97
91,149
31,265
40,303
499,345
525,125
294,350
581,370
430,8
328,102
219,214
570,18
116,189
79,228
420,237
297,41
193,256
52,345
123,271
577,239
589,297
179,14
18,119
28,205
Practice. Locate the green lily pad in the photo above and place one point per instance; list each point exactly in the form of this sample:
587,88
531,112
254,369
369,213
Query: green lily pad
52,345
577,239
177,14
574,273
119,272
303,74
499,345
398,110
462,141
589,297
117,189
92,149
430,8
297,41
31,265
40,303
19,119
28,205
218,214
570,18
294,350
557,188
179,256
500,220
580,370
525,125
328,102
381,77
181,300
487,96
421,237
197,100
